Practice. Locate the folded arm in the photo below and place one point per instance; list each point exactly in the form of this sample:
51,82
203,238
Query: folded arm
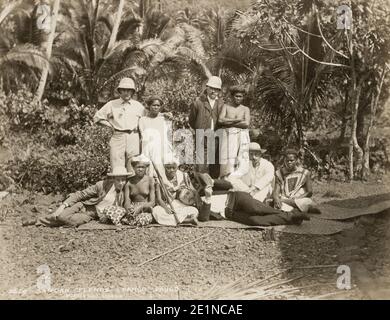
244,124
223,120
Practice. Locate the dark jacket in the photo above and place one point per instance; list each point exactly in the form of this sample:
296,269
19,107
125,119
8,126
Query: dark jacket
91,195
201,113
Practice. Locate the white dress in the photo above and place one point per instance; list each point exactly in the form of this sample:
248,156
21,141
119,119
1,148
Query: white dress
156,142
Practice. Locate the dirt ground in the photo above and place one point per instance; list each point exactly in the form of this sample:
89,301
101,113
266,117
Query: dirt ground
72,264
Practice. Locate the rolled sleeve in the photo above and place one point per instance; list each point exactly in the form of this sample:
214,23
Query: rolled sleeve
103,113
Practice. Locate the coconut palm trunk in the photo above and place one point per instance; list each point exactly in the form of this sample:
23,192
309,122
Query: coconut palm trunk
49,46
116,25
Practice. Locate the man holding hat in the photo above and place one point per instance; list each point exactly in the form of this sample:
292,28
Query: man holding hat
259,180
122,116
203,119
91,203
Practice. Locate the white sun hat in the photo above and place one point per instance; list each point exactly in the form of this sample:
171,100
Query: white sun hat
126,83
214,82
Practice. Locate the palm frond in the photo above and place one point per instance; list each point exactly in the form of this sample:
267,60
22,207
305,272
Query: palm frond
194,39
132,72
7,9
26,54
128,27
193,56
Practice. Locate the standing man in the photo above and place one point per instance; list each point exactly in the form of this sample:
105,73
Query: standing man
203,119
122,116
234,120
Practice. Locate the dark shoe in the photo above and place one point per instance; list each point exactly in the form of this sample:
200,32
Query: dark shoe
298,217
314,210
216,216
204,212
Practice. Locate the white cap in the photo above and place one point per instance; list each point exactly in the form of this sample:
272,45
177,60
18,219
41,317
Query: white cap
171,160
141,158
126,83
214,82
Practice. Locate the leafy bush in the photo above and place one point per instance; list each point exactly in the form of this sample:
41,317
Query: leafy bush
63,169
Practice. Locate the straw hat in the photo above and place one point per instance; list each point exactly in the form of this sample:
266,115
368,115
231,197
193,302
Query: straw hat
255,147
119,172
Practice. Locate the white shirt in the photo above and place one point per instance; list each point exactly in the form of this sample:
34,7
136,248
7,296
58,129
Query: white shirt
262,175
121,114
212,103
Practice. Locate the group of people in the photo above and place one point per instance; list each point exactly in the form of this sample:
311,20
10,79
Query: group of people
145,184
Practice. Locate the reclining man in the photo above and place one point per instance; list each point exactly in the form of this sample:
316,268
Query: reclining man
243,208
91,203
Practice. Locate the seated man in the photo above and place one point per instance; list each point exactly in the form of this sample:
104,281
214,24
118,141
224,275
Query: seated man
293,187
241,207
174,210
258,181
83,206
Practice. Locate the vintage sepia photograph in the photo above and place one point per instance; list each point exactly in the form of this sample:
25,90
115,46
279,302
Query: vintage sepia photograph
190,150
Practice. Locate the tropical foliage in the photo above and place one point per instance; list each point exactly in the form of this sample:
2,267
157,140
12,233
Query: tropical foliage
310,83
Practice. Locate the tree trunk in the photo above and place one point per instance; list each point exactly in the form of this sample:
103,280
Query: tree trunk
344,117
353,143
373,107
366,147
115,28
45,71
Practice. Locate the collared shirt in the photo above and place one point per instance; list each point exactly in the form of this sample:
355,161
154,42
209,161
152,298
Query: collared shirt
121,114
260,176
212,103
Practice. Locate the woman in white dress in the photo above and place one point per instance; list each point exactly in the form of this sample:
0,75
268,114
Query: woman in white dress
156,136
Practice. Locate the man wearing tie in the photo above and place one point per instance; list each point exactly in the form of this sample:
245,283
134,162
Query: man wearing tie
122,116
203,119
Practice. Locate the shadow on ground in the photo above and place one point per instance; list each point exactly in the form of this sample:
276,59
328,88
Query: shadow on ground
364,249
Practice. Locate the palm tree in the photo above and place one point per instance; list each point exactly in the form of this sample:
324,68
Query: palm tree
295,65
20,58
49,45
97,56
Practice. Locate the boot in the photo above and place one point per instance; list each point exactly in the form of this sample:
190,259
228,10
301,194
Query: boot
204,212
216,216
314,210
298,217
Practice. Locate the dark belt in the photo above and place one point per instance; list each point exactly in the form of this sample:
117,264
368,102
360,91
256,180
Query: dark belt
127,131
